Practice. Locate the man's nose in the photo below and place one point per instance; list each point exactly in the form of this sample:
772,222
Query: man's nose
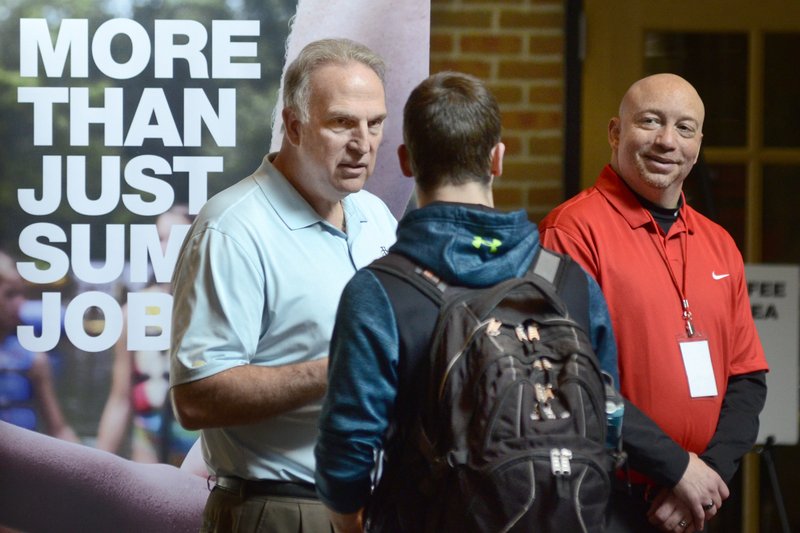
359,140
666,136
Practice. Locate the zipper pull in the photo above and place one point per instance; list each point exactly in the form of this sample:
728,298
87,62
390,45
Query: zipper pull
520,331
561,468
533,332
566,455
555,462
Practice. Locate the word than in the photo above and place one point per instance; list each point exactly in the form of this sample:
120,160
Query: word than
152,119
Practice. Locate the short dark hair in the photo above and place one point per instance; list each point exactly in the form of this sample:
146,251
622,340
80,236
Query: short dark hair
451,122
296,80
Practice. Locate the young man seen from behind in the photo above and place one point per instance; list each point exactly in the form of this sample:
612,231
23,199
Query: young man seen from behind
377,375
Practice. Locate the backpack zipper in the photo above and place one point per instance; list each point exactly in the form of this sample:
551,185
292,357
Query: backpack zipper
474,333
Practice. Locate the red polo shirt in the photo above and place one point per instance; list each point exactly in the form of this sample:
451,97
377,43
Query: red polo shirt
606,230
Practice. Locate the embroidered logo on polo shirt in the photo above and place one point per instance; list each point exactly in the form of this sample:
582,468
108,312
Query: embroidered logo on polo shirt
493,245
718,276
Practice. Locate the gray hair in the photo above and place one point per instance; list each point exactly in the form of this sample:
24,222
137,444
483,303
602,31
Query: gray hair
296,86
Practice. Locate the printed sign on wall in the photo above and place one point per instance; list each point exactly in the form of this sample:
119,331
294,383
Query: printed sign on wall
775,304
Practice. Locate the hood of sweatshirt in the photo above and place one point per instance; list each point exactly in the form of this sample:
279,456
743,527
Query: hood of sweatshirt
468,244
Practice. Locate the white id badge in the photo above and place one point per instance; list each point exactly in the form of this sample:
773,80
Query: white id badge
699,370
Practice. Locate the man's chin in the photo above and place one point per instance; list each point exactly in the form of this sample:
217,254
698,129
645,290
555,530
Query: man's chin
352,181
657,177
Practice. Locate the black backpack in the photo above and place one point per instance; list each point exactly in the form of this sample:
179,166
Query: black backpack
508,433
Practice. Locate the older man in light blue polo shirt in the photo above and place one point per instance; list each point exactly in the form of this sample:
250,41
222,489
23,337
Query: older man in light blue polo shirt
257,285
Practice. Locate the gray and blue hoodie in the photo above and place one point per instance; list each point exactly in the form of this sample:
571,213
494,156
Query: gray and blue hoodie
463,244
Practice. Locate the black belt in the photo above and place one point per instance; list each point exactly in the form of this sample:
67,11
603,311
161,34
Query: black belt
267,487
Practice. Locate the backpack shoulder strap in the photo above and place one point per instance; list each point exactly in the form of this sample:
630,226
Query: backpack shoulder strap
417,297
407,270
546,264
417,312
569,280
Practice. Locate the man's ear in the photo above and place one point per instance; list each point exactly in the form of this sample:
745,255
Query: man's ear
697,157
613,132
291,126
405,161
498,152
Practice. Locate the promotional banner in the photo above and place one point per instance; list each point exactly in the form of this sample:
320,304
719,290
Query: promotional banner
118,120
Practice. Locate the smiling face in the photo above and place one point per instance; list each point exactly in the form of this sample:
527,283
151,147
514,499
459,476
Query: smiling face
337,146
656,139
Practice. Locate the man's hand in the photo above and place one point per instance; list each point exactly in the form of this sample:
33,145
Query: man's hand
696,498
347,523
669,513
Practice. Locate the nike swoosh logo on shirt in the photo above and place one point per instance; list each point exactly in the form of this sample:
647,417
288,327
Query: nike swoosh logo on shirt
718,276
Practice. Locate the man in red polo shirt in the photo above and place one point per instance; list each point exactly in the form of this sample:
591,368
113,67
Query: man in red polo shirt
689,354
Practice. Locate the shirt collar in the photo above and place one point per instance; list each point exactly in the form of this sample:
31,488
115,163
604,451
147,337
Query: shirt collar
619,195
290,206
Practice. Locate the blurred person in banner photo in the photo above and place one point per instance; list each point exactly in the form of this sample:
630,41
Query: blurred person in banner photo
139,385
257,285
689,354
27,390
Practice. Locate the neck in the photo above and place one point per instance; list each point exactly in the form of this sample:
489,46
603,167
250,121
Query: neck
467,193
665,199
330,210
332,213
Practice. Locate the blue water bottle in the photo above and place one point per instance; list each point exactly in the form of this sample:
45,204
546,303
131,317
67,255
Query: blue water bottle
615,410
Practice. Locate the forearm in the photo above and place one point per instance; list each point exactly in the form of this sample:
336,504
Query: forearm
118,409
704,481
651,451
113,424
248,394
55,423
737,428
362,396
699,493
66,433
45,394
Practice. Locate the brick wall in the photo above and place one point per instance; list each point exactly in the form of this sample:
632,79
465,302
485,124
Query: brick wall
516,46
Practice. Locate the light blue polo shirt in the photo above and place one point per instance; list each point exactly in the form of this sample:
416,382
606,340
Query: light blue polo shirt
258,282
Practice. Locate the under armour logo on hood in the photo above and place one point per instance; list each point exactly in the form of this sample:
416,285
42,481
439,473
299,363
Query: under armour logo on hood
493,245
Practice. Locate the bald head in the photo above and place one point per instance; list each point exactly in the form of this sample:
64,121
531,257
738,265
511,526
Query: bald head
680,92
655,140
